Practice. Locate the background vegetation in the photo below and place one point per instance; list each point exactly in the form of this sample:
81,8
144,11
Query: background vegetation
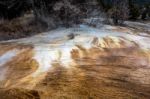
26,17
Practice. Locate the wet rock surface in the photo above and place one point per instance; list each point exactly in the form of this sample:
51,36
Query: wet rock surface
77,63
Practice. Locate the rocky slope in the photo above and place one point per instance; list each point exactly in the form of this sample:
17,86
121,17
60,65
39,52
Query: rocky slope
77,63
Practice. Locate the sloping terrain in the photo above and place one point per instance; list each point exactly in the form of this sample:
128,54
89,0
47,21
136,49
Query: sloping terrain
77,63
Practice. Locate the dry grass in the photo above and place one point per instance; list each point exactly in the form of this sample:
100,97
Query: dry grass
19,28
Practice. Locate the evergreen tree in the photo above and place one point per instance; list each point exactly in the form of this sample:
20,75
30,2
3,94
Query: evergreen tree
119,11
134,10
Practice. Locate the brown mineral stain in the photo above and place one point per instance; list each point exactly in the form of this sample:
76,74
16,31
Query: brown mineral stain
98,73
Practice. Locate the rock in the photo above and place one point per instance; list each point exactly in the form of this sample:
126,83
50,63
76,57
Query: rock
96,63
